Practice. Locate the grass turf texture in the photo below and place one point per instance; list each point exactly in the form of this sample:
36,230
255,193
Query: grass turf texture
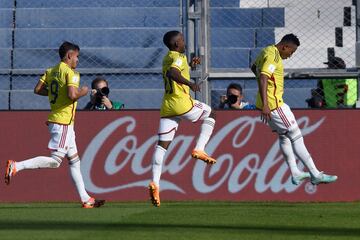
181,220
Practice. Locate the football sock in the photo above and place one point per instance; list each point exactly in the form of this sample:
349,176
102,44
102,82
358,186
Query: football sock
75,173
38,162
287,150
207,128
157,162
303,154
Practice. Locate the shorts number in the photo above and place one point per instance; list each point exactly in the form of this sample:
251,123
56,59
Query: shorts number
54,90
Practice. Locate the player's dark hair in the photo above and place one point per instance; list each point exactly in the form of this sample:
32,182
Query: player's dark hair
169,38
291,38
97,80
67,46
234,86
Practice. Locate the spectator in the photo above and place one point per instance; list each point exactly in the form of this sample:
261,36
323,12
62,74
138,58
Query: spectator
99,97
334,93
339,93
234,98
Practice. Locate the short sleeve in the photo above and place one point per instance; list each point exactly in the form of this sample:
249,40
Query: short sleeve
178,63
269,65
44,78
73,79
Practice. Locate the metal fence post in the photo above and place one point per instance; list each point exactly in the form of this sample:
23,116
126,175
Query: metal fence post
190,28
357,48
204,50
197,43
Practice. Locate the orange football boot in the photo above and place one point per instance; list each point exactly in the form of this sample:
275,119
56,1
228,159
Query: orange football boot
201,155
154,194
10,171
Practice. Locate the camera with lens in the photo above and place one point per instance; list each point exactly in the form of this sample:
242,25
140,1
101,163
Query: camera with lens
317,99
100,93
231,99
315,102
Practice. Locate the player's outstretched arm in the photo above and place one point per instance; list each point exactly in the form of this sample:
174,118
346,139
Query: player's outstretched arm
41,89
75,93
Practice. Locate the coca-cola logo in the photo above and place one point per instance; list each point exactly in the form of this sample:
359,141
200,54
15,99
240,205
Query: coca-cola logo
233,172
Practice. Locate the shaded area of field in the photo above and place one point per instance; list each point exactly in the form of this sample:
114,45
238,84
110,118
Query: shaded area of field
181,220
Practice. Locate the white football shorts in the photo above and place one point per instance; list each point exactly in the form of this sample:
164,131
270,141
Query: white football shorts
62,138
168,126
282,120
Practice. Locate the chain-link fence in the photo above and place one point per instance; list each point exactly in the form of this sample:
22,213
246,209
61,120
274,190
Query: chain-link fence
122,41
327,33
119,39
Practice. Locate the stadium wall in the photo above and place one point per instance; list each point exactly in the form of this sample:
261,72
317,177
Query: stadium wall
116,150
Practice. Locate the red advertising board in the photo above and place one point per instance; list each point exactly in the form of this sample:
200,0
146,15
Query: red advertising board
116,150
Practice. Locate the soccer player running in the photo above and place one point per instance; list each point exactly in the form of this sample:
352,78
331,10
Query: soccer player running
61,84
269,71
177,105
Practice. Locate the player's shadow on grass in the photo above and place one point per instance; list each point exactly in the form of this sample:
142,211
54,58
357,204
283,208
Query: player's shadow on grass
110,226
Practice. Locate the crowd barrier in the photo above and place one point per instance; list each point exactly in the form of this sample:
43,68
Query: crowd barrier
116,150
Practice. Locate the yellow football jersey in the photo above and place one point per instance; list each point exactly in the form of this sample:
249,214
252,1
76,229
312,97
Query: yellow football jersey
57,79
269,62
177,99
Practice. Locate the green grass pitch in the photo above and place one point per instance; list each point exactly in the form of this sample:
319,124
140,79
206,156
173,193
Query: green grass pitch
181,220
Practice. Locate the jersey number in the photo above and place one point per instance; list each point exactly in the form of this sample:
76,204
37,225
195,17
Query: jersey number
168,85
54,90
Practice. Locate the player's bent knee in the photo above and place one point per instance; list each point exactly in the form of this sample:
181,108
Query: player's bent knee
57,158
210,121
73,156
55,163
283,137
284,140
294,134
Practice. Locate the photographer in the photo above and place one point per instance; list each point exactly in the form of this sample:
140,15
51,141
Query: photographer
233,98
99,97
